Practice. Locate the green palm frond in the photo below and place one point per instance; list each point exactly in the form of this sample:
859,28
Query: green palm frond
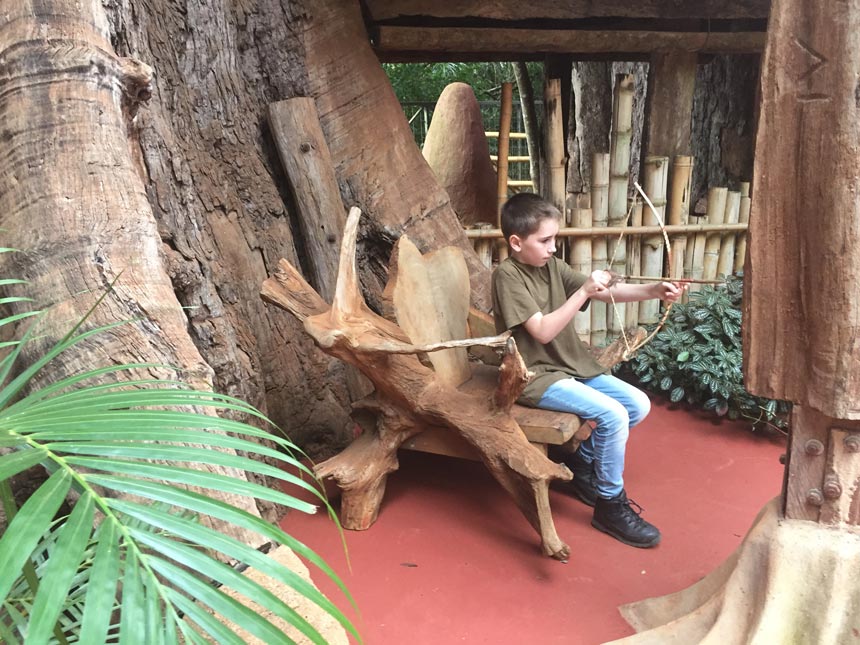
134,455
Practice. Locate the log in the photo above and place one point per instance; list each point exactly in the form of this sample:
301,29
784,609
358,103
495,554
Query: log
743,218
599,255
634,258
410,397
504,147
619,184
717,200
726,259
679,209
656,177
556,161
310,174
580,261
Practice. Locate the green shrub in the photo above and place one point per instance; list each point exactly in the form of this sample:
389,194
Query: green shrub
696,357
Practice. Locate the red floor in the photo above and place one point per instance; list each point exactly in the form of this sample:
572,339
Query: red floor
451,560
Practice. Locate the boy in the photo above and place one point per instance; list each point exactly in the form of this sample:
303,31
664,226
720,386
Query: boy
535,295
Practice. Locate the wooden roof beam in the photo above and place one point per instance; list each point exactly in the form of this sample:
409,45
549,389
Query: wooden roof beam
385,10
394,44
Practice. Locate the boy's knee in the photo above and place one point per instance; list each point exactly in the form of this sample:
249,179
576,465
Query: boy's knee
614,418
641,407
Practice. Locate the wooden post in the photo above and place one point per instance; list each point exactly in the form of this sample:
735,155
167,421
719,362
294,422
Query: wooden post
308,165
656,178
743,218
580,261
619,182
634,259
726,259
716,215
504,146
679,209
599,258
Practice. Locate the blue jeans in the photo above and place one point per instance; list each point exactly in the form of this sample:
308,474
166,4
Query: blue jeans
615,406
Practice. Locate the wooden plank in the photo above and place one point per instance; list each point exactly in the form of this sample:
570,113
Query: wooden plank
669,104
567,9
441,441
472,40
310,174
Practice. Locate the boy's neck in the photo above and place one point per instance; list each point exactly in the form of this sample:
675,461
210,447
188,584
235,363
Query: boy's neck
516,255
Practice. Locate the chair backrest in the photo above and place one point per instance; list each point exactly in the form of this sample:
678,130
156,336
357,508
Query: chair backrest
430,297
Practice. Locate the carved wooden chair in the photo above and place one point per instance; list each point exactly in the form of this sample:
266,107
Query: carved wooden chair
428,394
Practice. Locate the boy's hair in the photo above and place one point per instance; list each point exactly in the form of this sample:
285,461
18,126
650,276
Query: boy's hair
523,213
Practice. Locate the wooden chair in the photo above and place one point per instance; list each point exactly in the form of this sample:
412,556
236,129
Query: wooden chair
428,394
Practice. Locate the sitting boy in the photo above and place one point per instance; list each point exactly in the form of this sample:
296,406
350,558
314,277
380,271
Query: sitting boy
536,295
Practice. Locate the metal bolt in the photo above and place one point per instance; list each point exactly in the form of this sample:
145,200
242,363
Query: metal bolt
852,443
814,497
783,458
305,147
832,487
814,447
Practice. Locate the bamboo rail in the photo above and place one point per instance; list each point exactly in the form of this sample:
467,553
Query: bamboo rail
604,231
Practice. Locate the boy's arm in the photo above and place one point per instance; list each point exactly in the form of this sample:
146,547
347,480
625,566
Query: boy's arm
622,292
543,328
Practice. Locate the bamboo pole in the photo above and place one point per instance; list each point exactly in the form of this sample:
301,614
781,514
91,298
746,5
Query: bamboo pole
656,178
725,262
743,218
716,215
504,146
554,132
580,261
634,258
634,231
599,257
716,207
679,209
619,181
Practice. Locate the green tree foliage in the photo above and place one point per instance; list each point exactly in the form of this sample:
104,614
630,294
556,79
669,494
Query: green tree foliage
132,561
424,82
697,358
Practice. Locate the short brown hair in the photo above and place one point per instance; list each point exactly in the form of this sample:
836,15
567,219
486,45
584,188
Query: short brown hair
523,213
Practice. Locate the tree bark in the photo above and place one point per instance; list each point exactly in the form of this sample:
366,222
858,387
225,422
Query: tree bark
72,198
530,121
723,127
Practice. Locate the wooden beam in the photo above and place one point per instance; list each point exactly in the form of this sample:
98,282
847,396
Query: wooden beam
431,41
568,9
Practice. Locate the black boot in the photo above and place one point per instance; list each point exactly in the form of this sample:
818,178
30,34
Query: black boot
615,517
583,486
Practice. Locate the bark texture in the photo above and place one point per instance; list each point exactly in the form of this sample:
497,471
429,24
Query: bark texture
723,127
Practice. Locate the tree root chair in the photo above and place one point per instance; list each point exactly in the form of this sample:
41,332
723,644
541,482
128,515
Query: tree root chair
428,394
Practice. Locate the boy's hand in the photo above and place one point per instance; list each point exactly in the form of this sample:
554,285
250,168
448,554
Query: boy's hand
670,291
597,282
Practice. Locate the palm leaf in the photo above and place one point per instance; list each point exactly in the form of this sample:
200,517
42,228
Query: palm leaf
93,437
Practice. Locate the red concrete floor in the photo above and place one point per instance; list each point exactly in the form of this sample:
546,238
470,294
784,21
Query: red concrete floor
451,560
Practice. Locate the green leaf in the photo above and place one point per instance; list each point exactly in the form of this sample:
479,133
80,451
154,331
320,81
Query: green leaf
101,589
16,462
677,394
683,356
665,383
62,565
30,524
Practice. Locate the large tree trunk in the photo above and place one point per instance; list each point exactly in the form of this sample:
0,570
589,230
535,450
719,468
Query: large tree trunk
723,123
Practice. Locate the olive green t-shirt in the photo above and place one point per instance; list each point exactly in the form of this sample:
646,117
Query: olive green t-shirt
519,292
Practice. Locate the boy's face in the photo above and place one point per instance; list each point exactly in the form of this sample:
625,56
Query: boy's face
537,248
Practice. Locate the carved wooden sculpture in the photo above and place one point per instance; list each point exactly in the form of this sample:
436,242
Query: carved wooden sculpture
411,396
